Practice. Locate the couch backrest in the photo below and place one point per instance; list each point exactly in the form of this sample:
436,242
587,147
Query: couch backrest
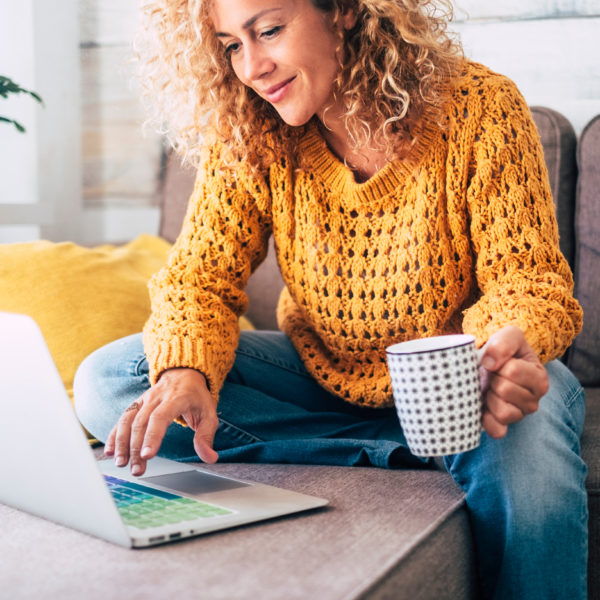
560,144
584,358
176,188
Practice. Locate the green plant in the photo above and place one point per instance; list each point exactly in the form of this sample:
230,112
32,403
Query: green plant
8,86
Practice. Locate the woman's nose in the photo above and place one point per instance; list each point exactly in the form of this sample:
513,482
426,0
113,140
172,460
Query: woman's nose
257,63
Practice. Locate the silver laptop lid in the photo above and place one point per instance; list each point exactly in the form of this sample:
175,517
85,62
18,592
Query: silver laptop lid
46,465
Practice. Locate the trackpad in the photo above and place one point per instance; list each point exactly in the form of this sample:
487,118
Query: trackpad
195,482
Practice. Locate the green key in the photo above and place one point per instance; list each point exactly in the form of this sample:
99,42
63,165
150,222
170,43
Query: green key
183,500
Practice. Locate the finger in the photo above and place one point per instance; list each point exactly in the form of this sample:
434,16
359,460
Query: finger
492,427
204,439
160,419
529,376
503,412
123,434
503,345
138,464
109,446
521,384
205,451
138,432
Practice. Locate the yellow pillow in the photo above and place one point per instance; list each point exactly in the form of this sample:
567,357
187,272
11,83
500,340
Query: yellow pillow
82,298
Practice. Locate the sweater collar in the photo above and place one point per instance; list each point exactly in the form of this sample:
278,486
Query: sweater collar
337,175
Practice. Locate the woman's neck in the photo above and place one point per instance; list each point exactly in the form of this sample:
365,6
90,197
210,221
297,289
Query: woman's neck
364,163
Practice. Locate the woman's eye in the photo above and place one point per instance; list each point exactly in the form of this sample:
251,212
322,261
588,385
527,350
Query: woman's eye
232,48
270,33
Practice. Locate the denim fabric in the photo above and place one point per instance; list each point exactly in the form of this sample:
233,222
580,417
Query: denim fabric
526,492
527,499
270,409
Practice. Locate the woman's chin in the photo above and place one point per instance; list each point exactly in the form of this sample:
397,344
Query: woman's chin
294,120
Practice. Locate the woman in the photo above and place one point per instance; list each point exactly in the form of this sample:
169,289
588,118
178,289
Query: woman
407,195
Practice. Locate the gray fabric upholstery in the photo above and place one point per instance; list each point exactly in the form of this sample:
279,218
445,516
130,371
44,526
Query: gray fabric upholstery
453,575
584,358
263,289
177,185
352,549
590,441
560,143
590,450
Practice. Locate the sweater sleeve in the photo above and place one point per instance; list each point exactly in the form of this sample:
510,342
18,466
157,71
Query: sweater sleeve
198,296
523,278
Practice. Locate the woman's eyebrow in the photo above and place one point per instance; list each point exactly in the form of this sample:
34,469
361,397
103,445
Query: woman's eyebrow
247,24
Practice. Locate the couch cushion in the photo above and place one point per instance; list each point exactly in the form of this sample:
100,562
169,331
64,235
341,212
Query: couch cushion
590,450
378,523
177,185
584,358
560,142
263,289
590,440
82,298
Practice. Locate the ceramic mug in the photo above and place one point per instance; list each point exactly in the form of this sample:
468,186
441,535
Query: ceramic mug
438,393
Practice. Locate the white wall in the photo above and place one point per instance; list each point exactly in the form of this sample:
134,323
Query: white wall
86,171
40,170
550,48
121,161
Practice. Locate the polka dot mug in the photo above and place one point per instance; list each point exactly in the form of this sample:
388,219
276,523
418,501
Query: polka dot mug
438,393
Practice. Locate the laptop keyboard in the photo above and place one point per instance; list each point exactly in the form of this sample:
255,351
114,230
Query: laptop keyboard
144,507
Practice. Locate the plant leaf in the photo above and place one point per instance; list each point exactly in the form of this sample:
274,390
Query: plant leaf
8,86
18,125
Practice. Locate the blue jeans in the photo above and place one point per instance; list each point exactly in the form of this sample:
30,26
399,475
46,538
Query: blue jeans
525,493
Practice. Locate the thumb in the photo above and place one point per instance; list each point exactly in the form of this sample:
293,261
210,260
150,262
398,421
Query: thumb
507,343
203,444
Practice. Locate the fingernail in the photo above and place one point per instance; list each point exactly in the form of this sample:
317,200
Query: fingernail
488,362
146,452
136,470
120,461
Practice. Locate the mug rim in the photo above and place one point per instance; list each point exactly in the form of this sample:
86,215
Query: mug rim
404,348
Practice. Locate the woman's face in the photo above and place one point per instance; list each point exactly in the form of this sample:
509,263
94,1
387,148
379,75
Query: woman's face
285,50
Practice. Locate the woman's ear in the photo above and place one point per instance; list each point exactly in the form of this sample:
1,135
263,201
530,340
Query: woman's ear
348,19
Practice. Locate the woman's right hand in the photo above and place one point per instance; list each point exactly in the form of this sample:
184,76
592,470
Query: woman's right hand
137,436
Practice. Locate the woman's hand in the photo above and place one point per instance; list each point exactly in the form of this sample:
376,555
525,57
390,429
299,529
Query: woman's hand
516,381
138,434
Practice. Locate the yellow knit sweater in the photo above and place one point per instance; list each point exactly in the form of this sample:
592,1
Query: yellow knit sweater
466,240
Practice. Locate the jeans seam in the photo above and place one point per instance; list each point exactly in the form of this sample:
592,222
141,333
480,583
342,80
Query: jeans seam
570,421
573,395
253,437
462,484
138,364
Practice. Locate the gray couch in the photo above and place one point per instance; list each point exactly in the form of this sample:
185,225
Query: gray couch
386,534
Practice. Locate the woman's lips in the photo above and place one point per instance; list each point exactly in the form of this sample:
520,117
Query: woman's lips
276,93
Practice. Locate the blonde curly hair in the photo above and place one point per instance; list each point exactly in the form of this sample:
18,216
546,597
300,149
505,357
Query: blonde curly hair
398,61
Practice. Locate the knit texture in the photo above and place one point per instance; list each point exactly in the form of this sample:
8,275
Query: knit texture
461,239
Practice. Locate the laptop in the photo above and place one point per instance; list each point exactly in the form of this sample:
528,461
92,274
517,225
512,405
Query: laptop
47,467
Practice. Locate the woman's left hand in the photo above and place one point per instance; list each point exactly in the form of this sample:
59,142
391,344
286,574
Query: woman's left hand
516,380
